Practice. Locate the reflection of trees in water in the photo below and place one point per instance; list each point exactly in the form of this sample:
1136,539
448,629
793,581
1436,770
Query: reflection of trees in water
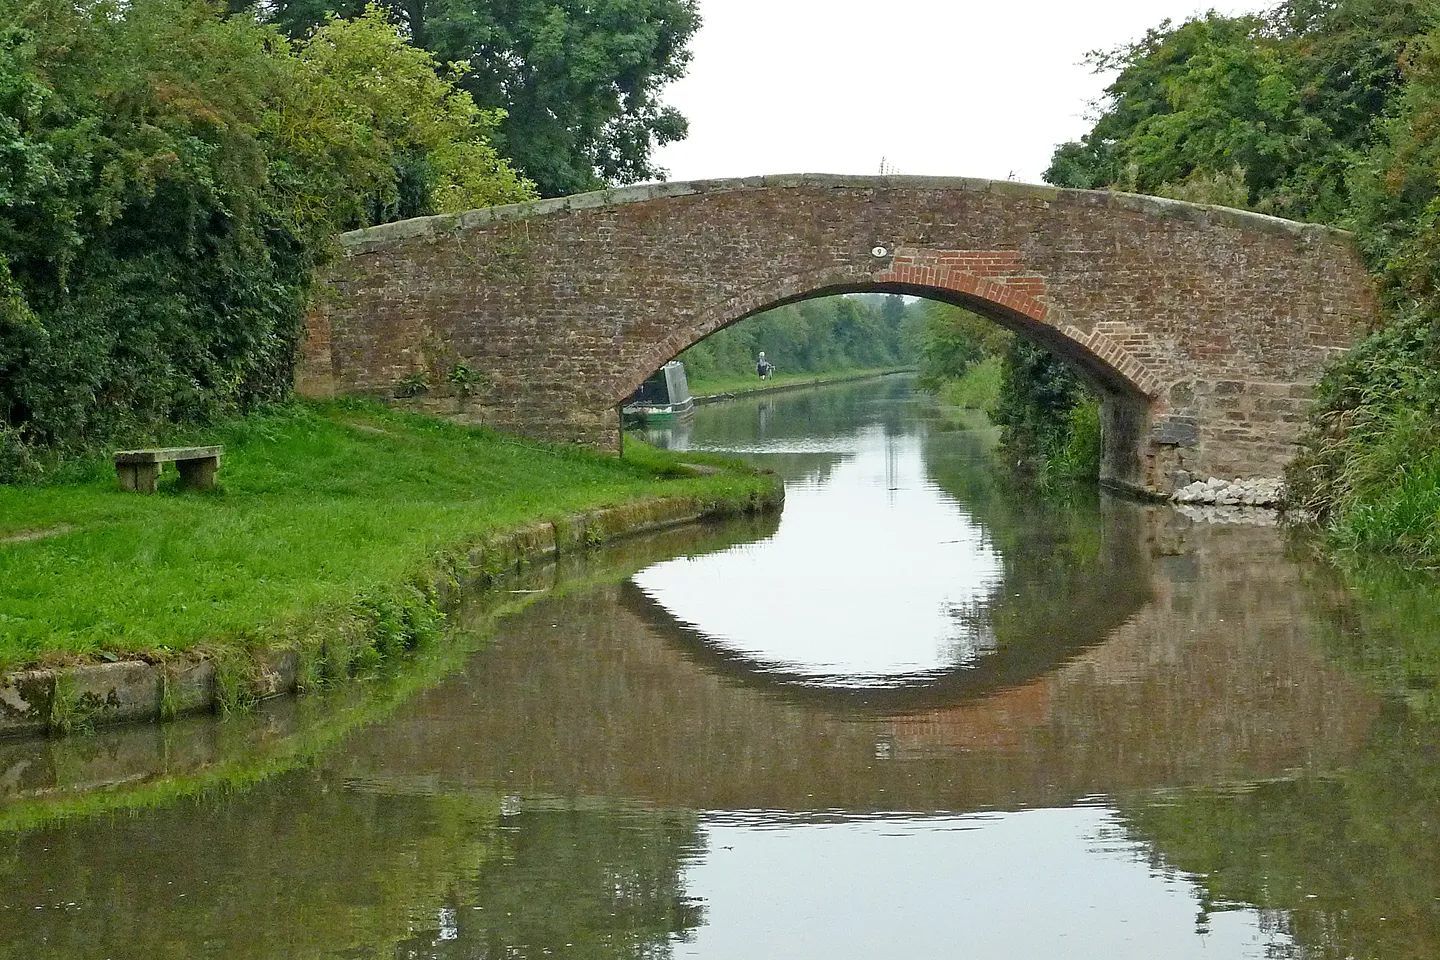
812,415
306,869
1385,624
320,867
575,883
1074,564
1352,857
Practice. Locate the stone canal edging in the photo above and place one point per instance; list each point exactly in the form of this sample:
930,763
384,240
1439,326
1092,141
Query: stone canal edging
54,700
801,385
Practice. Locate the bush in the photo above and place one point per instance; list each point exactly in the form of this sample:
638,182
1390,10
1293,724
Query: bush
1077,457
17,460
173,177
1041,407
977,389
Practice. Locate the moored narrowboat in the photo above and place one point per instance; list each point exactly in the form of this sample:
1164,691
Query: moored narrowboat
663,398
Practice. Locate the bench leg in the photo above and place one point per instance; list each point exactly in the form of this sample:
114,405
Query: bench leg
198,474
139,477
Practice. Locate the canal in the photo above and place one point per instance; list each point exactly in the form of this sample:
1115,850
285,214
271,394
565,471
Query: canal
928,711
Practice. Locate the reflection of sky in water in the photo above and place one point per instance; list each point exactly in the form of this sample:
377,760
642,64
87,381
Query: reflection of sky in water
1042,883
861,583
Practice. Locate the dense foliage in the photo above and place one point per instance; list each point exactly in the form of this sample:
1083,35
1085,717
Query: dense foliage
1267,112
954,342
170,179
1324,110
1049,423
814,336
578,81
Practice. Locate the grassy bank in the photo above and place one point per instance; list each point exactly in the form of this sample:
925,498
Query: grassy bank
978,388
129,768
737,385
1377,487
326,512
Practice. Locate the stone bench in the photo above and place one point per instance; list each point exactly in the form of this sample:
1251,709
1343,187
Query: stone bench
140,469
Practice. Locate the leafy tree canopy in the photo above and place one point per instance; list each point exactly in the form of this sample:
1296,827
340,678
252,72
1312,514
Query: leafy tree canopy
170,179
1265,112
578,81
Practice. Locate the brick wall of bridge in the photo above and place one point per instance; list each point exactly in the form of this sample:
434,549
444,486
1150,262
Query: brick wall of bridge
1203,329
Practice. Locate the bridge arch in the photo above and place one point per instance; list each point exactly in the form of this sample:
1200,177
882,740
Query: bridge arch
1125,387
1105,366
1203,329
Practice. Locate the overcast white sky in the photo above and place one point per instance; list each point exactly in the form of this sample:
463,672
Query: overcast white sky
975,88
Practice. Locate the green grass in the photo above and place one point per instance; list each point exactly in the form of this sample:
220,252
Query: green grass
320,507
1399,519
749,383
1376,485
977,389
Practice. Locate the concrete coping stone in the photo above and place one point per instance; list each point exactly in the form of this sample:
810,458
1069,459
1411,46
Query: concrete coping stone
435,227
167,454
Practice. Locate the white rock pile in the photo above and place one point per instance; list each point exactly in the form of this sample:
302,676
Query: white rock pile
1260,492
1235,516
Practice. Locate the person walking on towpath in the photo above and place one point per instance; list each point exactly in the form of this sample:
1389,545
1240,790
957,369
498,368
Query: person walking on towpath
764,367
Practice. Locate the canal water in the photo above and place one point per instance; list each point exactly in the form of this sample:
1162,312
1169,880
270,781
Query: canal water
928,711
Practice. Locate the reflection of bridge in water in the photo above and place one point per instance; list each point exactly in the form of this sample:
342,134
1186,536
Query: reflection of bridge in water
1216,679
400,838
1014,663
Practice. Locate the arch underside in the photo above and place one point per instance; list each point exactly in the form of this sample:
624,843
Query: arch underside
1104,366
1126,389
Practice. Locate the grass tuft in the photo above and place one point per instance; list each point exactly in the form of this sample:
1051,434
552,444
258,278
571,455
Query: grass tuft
69,713
169,696
234,683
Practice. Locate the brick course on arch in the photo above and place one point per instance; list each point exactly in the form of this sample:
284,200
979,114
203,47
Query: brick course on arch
1203,329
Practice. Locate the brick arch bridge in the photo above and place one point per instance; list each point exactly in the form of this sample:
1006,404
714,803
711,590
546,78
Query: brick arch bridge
1203,329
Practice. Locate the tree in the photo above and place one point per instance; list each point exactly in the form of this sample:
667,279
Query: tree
375,127
954,340
172,177
578,81
1263,112
1211,97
